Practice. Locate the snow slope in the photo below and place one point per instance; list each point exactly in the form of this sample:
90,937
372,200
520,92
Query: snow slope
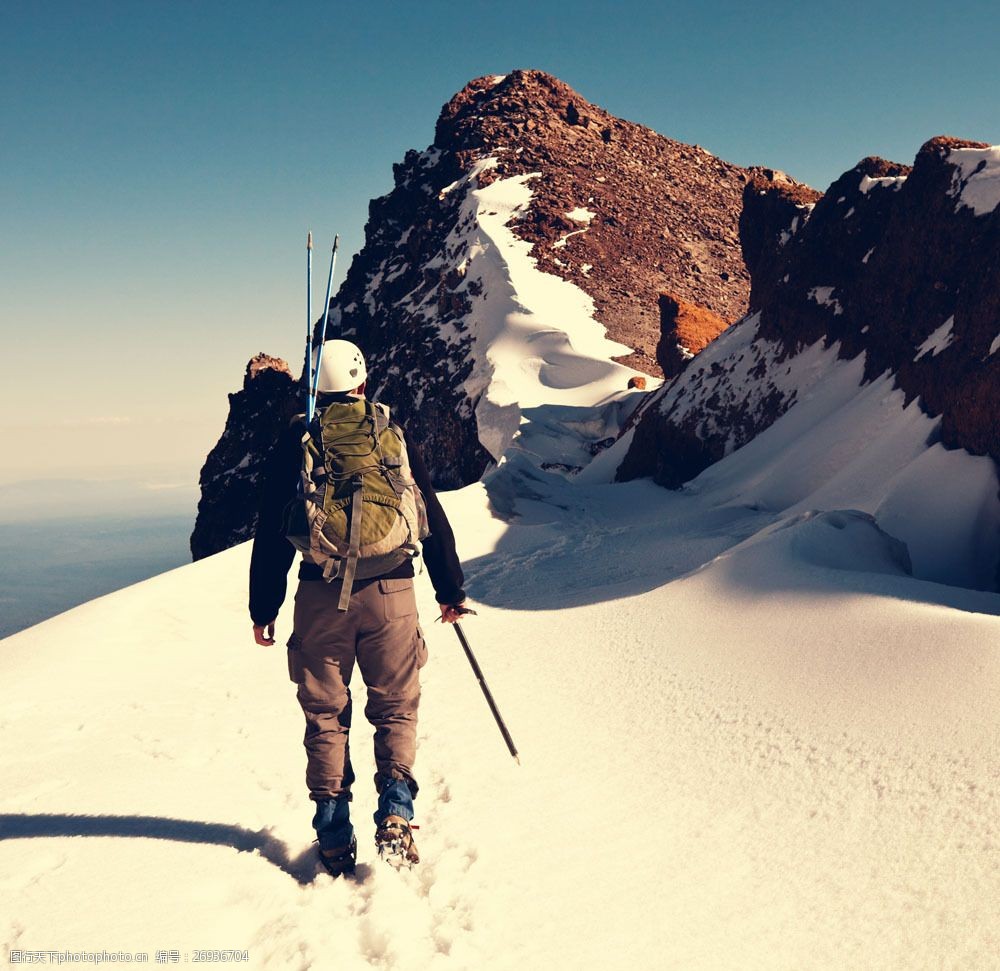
747,742
840,444
536,342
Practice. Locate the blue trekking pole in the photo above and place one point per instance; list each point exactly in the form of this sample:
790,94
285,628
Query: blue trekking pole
322,337
309,311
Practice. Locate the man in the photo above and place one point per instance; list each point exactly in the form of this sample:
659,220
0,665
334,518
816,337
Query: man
378,630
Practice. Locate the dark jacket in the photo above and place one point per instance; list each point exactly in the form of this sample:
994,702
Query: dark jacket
273,554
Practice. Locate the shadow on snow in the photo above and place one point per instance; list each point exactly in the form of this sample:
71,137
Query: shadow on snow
570,544
302,868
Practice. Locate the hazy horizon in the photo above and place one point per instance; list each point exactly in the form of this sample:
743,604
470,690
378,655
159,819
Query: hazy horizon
48,566
65,541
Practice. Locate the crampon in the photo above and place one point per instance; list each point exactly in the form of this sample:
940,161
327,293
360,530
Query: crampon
394,841
340,861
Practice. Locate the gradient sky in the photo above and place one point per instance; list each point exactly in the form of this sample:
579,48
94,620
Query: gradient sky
161,163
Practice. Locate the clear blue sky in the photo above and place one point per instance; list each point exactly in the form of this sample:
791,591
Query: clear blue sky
161,162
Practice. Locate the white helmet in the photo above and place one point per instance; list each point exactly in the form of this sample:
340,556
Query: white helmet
342,368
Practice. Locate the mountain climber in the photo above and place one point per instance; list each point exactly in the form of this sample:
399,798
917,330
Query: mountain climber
378,629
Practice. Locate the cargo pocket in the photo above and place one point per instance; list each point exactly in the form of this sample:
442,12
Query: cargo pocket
421,645
398,598
295,658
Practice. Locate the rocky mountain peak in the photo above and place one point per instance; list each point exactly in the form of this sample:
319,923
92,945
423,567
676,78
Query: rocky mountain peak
258,413
664,214
259,365
520,259
940,146
618,211
507,105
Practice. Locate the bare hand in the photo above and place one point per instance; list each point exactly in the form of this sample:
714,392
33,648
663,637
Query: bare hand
264,635
453,612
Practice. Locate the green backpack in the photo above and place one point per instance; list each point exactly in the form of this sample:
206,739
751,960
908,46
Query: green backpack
359,513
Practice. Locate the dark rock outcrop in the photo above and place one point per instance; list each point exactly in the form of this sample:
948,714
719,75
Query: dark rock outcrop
775,207
893,263
227,510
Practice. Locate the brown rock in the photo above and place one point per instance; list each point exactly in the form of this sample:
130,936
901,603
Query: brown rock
685,330
648,192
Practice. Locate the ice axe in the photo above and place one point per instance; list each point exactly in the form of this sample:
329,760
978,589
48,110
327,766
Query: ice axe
314,376
477,671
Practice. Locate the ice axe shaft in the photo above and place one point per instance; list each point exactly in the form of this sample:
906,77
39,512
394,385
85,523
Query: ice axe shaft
477,671
314,387
309,310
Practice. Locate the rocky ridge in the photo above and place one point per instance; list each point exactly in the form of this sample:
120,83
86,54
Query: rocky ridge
617,210
899,264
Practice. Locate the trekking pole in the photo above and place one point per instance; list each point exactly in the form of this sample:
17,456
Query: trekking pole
322,335
309,313
486,691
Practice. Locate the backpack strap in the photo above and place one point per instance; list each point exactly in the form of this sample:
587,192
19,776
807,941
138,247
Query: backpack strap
381,414
354,541
307,483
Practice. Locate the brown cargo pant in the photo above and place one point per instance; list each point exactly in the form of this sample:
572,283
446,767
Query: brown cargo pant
380,631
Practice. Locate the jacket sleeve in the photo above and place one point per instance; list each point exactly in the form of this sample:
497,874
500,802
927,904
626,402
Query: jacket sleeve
272,554
440,554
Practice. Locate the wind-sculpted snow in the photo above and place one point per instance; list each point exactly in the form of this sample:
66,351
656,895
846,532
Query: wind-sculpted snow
535,341
839,539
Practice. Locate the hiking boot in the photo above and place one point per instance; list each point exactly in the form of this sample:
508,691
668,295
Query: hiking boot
340,860
394,840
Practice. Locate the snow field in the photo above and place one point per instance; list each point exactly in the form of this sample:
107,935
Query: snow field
784,758
846,446
976,181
